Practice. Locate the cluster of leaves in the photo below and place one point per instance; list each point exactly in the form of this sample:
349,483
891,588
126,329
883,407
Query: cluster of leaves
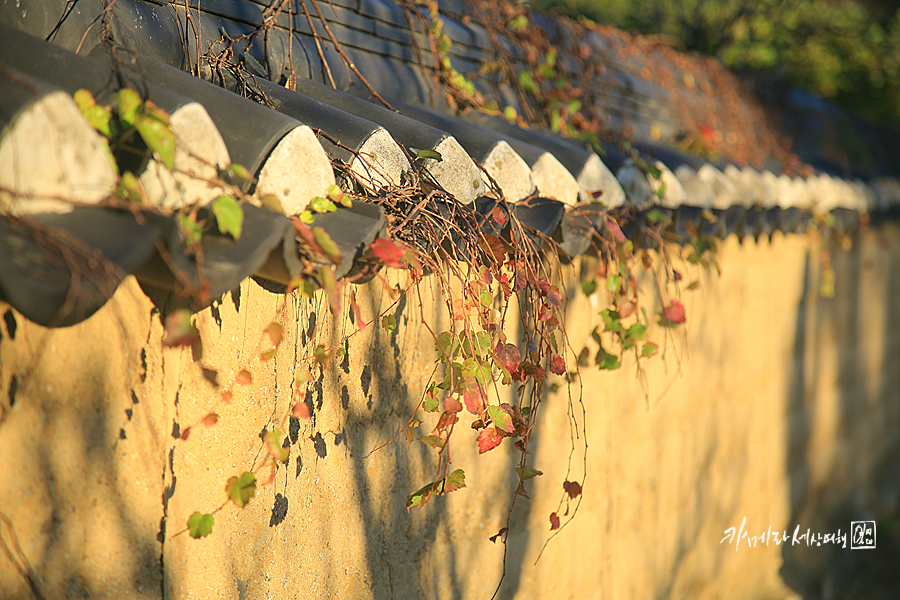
848,50
136,131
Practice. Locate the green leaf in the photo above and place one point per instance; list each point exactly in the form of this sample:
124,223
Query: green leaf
273,444
130,189
614,283
588,287
636,331
519,23
486,299
611,320
429,154
229,216
454,481
431,404
322,205
307,217
241,489
500,418
239,171
190,230
329,248
158,137
527,473
648,350
389,322
98,117
337,195
446,346
433,441
128,105
657,216
200,525
272,202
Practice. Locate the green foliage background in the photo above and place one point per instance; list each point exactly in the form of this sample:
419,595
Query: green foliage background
842,49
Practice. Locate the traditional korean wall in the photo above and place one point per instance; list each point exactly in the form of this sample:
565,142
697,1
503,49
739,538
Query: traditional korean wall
778,406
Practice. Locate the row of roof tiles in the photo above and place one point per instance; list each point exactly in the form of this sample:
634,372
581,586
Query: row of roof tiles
290,149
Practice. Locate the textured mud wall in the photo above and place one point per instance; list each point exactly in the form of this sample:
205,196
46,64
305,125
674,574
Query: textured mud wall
778,406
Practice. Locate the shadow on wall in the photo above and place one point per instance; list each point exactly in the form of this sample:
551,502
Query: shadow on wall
844,424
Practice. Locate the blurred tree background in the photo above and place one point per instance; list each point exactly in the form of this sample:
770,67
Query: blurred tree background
846,50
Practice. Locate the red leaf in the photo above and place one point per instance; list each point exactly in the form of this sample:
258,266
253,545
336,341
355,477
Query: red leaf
489,438
615,230
301,411
557,365
452,404
499,215
389,253
493,243
533,371
227,397
509,356
276,334
179,329
544,285
554,522
573,488
210,419
185,434
521,280
555,297
674,312
474,396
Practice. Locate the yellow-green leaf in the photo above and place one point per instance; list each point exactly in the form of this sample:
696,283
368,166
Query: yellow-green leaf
159,138
329,248
229,216
200,525
241,489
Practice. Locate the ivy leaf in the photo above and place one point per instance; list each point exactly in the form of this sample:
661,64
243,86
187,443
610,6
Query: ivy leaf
452,404
229,216
98,117
272,202
210,419
554,296
527,473
573,488
554,522
410,431
307,217
557,365
434,441
493,246
128,103
180,331
588,287
273,445
431,404
389,253
337,195
508,355
322,205
200,525
489,438
389,322
533,371
674,312
241,489
190,230
276,333
636,331
494,537
130,189
614,228
154,130
329,248
648,350
446,346
425,153
474,396
499,216
501,418
454,481
300,411
238,171
332,291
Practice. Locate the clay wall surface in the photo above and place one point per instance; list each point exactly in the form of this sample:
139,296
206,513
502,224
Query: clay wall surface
777,406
